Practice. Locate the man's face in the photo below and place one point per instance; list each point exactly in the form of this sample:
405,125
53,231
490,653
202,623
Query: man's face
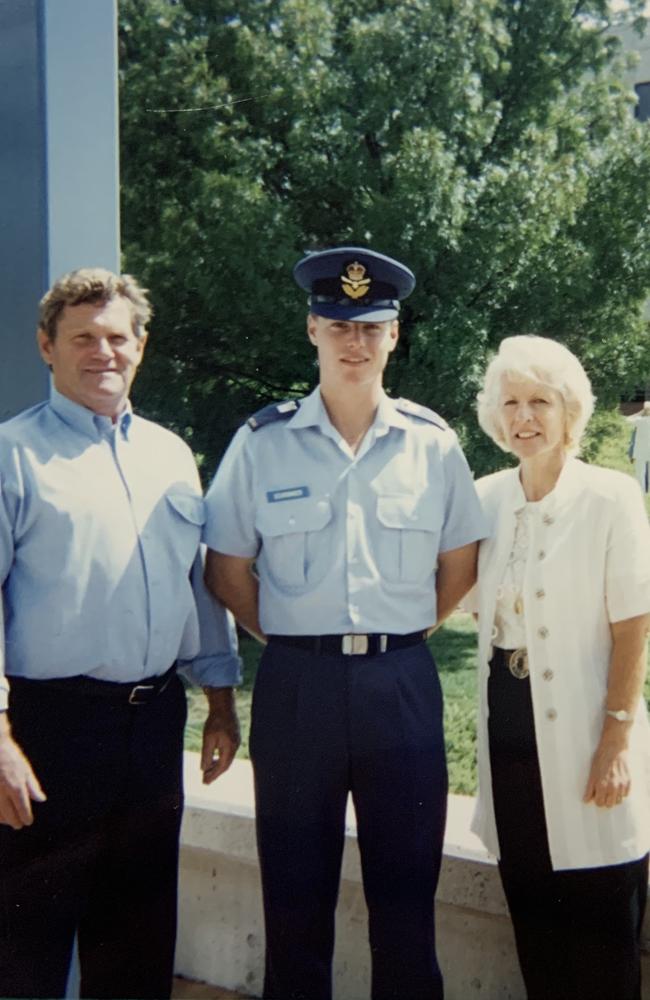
95,355
350,351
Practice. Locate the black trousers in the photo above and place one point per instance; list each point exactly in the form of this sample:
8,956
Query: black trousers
323,726
577,931
101,857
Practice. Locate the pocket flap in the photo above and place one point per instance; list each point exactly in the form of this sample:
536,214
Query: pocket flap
190,507
292,516
409,512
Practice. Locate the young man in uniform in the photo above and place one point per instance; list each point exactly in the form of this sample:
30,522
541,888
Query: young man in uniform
360,515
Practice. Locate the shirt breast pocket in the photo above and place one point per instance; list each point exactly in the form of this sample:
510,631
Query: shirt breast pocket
187,512
292,534
409,536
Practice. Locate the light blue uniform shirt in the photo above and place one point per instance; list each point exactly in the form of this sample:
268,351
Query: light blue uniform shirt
344,542
100,529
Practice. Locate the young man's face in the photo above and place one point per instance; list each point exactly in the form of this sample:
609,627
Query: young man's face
350,351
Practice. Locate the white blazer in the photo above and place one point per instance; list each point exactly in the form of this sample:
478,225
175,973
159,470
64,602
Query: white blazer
588,565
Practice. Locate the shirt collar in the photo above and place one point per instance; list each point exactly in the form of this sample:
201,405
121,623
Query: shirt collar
84,420
565,489
312,413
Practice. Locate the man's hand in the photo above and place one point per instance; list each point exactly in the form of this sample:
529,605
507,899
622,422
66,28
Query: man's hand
19,786
609,777
221,737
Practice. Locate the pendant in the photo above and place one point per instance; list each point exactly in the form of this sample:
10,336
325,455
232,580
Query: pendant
519,605
518,664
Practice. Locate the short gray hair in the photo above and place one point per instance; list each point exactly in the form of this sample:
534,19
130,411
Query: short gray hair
542,360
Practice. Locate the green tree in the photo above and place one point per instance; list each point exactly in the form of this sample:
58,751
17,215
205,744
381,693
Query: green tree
490,144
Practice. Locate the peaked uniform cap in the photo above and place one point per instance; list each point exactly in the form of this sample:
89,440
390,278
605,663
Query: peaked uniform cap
353,283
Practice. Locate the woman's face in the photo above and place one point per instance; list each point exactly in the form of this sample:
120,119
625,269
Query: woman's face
533,418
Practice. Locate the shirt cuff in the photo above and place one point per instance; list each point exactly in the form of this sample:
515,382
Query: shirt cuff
218,670
4,694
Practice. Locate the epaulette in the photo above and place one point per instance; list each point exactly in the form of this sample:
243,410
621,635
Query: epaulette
275,411
423,412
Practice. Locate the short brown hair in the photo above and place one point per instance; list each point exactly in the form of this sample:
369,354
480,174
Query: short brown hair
93,284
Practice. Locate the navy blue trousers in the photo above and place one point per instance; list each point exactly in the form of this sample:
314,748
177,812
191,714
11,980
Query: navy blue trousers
101,857
323,726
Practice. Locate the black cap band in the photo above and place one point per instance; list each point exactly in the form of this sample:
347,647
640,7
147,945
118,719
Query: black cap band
375,303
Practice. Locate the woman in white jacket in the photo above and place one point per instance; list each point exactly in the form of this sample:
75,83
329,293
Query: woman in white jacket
563,597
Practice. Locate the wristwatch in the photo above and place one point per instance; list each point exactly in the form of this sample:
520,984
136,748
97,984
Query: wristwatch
620,714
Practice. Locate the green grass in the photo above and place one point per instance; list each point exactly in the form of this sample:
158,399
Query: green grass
454,649
454,646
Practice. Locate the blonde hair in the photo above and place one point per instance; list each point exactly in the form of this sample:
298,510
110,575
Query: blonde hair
542,360
93,285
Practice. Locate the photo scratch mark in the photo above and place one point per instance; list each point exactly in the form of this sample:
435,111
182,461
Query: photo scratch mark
210,107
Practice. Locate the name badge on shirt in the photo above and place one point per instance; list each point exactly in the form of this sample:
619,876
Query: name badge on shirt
290,493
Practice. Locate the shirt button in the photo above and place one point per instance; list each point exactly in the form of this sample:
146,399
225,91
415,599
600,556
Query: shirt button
292,520
547,519
541,554
551,714
548,675
540,593
542,632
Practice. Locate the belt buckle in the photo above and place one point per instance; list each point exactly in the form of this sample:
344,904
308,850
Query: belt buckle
518,663
354,644
133,699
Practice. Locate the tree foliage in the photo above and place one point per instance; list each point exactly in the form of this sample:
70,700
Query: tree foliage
489,144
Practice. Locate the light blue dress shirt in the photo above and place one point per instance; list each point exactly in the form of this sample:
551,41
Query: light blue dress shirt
344,542
100,527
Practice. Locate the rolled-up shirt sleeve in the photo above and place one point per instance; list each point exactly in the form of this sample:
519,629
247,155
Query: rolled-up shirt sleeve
627,574
230,509
217,663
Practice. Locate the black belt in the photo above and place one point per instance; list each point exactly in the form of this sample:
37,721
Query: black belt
352,644
516,661
132,694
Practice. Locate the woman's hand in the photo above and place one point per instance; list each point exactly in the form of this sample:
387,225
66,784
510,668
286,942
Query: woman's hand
609,777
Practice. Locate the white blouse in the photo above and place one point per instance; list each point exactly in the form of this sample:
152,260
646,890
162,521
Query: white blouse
509,630
588,564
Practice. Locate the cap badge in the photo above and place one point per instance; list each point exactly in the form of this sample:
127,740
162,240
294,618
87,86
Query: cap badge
354,284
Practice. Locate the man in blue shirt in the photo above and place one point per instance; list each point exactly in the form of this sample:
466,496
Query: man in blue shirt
360,515
100,522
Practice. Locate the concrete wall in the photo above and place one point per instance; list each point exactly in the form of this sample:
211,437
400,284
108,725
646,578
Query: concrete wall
221,934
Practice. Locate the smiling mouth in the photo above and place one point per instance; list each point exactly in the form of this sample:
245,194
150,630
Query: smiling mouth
526,435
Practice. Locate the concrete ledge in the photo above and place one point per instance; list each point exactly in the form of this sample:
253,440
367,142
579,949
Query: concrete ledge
221,931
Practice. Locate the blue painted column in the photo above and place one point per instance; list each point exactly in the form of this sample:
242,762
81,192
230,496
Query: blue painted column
59,173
